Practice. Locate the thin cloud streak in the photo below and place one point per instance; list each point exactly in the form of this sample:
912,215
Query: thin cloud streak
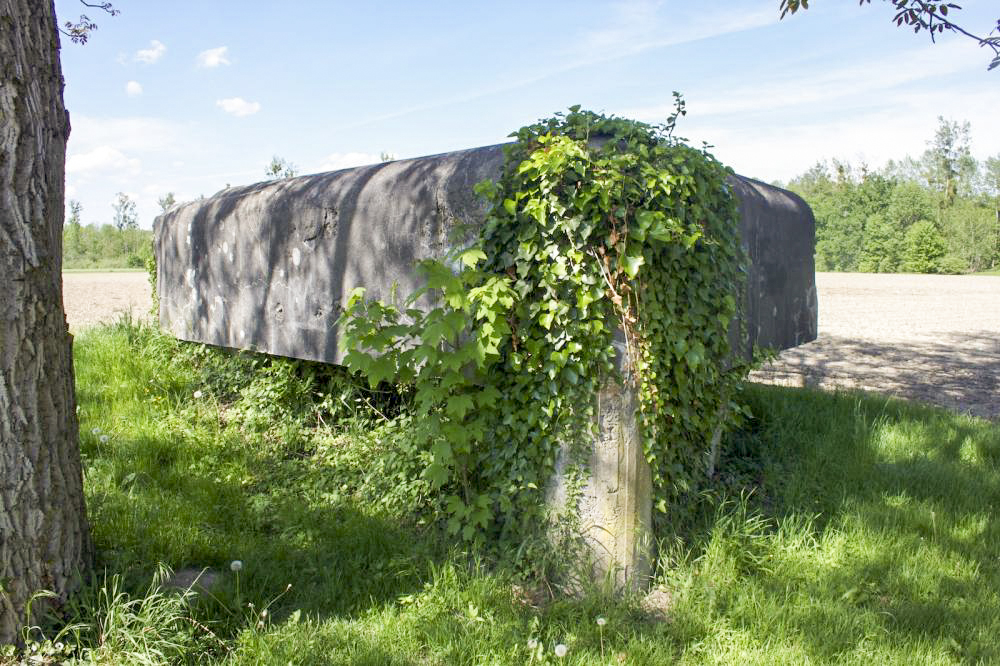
640,29
813,87
723,24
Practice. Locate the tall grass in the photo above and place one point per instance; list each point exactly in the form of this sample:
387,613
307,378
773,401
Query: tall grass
842,528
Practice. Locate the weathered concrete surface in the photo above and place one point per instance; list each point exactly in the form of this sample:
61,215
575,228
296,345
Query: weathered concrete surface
778,231
269,267
612,510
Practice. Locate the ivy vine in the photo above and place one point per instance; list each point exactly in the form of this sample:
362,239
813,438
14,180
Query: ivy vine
597,224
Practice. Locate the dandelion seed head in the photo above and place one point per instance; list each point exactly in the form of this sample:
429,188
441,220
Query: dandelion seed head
601,622
197,394
104,439
561,650
532,643
235,565
95,431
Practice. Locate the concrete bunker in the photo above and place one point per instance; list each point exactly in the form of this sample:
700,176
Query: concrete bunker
269,267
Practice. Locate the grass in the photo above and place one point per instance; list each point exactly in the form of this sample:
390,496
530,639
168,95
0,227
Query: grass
844,528
112,269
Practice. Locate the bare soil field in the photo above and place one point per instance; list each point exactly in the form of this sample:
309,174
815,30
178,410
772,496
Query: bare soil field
91,298
932,338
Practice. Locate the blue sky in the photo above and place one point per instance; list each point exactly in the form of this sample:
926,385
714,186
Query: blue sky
188,96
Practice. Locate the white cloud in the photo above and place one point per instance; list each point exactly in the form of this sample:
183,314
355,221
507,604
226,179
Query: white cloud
811,87
860,82
133,88
238,106
102,159
152,54
130,135
635,26
336,161
631,28
214,57
789,143
782,123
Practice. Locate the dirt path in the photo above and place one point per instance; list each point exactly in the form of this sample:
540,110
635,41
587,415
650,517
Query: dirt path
102,297
933,338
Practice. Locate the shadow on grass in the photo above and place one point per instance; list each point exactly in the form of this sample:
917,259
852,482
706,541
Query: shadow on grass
882,530
959,371
878,543
154,503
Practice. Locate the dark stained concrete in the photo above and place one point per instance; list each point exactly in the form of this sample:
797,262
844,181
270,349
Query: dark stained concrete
269,266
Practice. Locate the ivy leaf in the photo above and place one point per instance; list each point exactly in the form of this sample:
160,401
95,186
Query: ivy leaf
436,474
380,369
631,264
458,405
510,206
472,257
357,295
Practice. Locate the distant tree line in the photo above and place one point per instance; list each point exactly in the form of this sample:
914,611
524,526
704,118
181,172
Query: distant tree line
120,244
939,213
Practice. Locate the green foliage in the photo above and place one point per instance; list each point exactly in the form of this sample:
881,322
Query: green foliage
596,224
971,233
924,248
948,160
280,168
104,246
869,537
862,217
883,248
933,18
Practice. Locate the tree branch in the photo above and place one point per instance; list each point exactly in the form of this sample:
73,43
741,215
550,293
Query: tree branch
79,32
921,15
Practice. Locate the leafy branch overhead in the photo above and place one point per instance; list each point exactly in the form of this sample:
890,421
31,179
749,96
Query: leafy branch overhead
921,15
597,225
79,32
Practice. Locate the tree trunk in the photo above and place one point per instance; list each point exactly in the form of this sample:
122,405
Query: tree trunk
44,539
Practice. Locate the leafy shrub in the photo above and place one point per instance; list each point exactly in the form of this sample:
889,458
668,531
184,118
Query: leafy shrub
952,265
924,248
596,224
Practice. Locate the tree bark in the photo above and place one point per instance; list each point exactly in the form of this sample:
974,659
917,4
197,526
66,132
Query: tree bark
44,537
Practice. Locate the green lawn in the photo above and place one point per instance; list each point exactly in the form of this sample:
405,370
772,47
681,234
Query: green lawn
844,529
104,270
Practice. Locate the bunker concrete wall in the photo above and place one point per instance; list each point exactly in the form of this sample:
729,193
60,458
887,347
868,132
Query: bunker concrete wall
269,266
